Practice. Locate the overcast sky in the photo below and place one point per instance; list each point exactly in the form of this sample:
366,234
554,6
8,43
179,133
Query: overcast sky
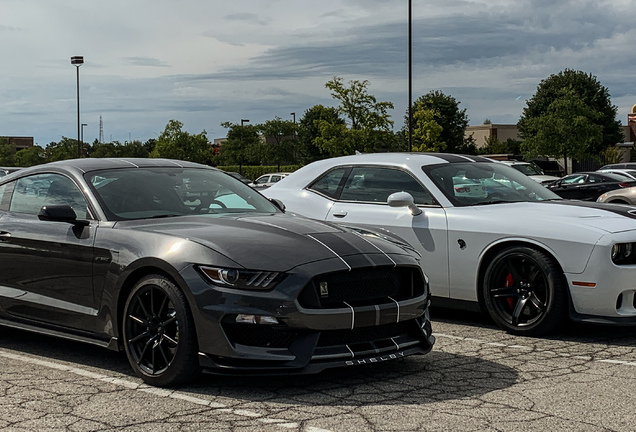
204,62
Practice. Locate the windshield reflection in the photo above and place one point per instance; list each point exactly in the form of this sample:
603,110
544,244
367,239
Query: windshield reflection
466,184
139,193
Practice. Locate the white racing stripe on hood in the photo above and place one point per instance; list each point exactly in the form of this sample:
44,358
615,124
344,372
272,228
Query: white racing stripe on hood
332,251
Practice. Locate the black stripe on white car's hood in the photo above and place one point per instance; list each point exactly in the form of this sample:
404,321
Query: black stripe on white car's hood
619,209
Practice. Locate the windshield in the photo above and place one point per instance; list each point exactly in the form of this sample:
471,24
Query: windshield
480,183
528,169
138,193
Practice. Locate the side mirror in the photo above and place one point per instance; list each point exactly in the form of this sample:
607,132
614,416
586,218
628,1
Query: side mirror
404,199
278,203
60,213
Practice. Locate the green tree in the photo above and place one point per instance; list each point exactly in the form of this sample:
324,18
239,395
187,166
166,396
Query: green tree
426,131
6,152
105,150
242,145
309,130
30,156
174,143
65,149
589,93
136,149
446,113
567,128
368,125
280,139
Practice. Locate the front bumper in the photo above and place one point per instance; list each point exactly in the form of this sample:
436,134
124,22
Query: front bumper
603,292
309,336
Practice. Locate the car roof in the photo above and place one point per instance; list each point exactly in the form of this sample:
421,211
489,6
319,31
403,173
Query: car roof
93,164
401,159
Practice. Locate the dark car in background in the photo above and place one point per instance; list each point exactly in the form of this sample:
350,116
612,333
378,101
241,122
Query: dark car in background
588,186
8,170
164,259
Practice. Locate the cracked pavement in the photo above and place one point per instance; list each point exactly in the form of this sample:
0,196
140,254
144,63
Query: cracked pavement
477,378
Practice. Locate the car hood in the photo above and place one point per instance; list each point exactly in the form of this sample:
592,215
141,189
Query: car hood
603,217
277,242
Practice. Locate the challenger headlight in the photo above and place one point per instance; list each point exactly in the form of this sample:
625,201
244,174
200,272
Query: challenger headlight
242,279
624,253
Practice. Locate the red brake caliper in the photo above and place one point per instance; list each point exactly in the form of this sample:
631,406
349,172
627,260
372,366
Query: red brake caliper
509,282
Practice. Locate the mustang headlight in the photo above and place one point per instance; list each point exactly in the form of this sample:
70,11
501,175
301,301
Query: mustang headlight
624,253
242,279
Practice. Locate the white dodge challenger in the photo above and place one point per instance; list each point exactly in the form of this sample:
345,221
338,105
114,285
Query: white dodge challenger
490,237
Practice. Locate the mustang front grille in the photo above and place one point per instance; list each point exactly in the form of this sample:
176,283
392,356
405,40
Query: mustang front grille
362,287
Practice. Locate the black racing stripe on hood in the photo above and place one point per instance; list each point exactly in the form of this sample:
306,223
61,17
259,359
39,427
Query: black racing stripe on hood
619,209
451,158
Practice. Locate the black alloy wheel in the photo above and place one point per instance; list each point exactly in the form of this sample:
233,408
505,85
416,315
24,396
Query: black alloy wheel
159,334
524,291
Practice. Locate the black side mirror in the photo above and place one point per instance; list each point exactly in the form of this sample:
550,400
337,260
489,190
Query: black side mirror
60,213
278,203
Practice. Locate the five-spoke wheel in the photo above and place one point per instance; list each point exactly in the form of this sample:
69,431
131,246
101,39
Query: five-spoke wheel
524,292
158,331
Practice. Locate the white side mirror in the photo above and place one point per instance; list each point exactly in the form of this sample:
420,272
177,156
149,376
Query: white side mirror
403,199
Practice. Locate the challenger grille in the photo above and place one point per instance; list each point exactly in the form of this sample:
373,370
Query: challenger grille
362,286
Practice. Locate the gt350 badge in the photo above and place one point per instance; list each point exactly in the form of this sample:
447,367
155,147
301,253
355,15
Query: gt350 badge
375,359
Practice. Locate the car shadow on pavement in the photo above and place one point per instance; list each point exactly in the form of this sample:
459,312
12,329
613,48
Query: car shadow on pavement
434,377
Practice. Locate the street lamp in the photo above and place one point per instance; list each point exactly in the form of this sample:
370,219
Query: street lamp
294,116
244,121
82,136
410,49
77,61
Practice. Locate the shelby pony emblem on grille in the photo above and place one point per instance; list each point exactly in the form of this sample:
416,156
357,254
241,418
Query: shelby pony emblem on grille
324,289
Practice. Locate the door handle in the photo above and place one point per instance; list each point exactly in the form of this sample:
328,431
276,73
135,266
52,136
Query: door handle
340,214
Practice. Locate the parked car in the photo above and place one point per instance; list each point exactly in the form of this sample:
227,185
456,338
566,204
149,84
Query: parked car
628,165
149,256
239,176
619,196
8,170
523,254
532,170
268,180
589,186
626,172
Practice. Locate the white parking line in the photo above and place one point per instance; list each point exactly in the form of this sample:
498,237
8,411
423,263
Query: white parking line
529,348
159,392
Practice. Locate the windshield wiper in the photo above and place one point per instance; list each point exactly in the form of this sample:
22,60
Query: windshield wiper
168,215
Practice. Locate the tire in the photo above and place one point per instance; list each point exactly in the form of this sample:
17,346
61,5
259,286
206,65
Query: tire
159,334
524,291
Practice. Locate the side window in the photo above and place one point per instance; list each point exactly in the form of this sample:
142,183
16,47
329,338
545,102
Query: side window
3,204
33,192
375,184
329,182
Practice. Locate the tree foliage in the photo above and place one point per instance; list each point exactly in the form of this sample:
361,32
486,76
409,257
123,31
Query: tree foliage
309,131
368,126
280,139
592,100
174,143
242,145
568,127
426,131
444,111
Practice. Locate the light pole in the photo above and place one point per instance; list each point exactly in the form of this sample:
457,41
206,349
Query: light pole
244,121
293,116
410,78
82,135
77,61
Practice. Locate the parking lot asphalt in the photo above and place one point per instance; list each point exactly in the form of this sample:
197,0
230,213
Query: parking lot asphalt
477,378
